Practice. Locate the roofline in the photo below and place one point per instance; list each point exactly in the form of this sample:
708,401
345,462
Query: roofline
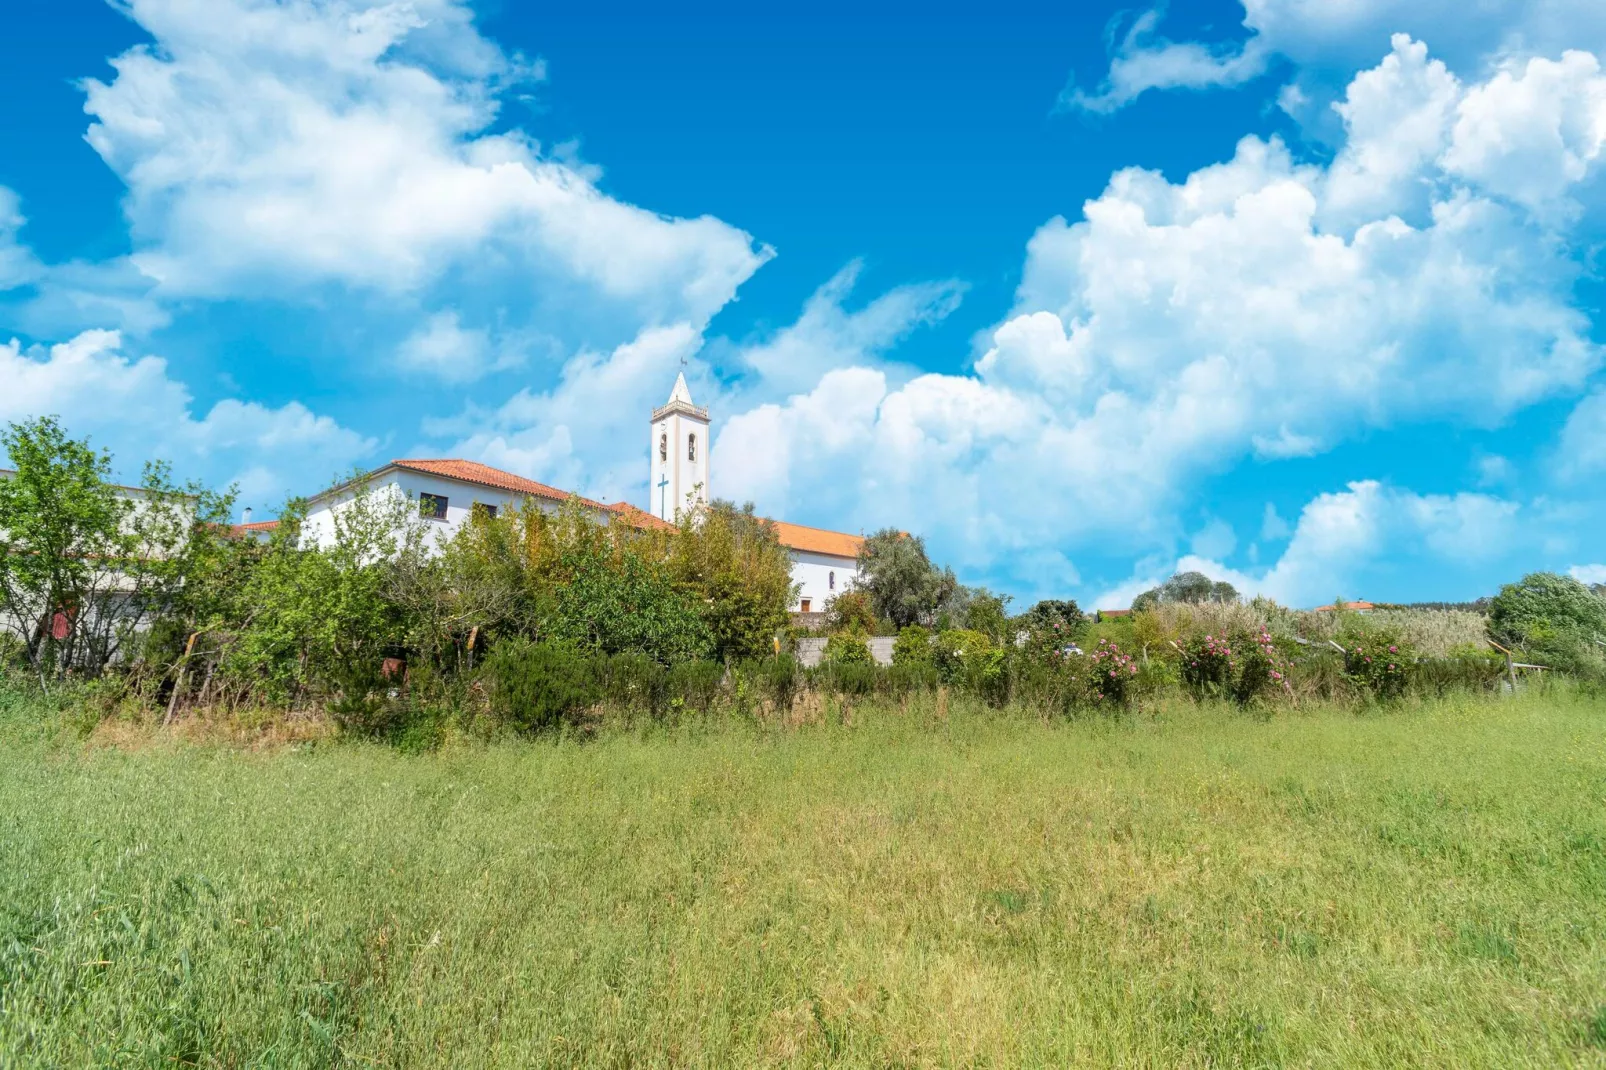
114,486
402,465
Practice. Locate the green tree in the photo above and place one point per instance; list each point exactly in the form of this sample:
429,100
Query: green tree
904,586
85,566
851,612
733,564
1544,605
1194,588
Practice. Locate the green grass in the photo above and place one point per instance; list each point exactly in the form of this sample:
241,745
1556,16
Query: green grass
1425,886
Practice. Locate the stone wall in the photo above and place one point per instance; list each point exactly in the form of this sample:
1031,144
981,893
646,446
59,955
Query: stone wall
811,650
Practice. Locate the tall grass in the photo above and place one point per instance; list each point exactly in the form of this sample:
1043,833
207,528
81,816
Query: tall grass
1192,887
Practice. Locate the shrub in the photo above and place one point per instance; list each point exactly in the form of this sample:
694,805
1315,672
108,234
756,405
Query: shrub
695,684
634,682
778,678
540,686
847,650
1261,670
913,648
851,677
851,612
1109,675
1379,664
1208,665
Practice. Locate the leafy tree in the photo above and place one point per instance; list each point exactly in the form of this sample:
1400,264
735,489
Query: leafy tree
1194,588
85,565
851,612
1544,605
904,586
1062,617
988,614
732,563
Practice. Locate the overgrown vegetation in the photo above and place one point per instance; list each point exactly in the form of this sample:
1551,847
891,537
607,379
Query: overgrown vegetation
886,884
539,620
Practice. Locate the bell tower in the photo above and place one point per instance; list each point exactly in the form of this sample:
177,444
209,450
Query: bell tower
679,454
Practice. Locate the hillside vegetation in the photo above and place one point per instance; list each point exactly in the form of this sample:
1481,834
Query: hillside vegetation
1189,885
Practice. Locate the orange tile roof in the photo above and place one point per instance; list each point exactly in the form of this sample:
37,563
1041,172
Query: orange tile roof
1357,606
486,476
260,525
818,540
638,518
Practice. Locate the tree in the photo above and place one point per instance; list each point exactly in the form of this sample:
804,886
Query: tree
850,612
86,565
1064,618
1544,606
904,586
1194,588
732,563
988,614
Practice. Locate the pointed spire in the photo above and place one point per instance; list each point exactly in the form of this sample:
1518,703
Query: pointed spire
680,393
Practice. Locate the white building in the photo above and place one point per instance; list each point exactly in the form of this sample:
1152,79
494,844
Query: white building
447,491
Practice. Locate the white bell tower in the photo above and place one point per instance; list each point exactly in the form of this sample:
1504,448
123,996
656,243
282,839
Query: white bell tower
679,454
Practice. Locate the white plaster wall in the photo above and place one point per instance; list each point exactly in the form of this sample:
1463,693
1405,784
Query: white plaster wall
686,478
460,499
813,571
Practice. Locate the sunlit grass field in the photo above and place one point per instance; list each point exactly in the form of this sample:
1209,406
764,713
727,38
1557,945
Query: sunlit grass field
1188,887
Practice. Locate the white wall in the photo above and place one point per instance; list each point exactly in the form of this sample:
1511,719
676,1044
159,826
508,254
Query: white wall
814,572
686,478
460,499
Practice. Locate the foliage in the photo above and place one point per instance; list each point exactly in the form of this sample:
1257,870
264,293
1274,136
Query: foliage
1109,675
913,647
1193,588
851,612
988,614
1208,665
540,686
85,565
1379,664
904,586
1063,619
847,649
732,564
1262,669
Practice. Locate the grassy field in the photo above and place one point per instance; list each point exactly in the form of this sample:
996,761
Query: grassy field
1196,887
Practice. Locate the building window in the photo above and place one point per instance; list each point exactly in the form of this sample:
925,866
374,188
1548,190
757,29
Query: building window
830,580
484,512
663,447
432,506
805,608
691,448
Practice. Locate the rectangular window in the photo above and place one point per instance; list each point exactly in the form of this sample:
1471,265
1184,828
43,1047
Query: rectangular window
432,506
484,512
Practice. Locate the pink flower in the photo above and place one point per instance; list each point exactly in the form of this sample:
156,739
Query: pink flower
1394,650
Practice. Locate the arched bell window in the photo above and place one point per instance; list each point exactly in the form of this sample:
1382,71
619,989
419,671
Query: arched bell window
830,580
663,447
691,448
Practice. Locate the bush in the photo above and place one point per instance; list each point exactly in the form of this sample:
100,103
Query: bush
1262,670
540,686
1109,675
1208,665
695,685
1379,665
635,682
913,648
851,612
843,650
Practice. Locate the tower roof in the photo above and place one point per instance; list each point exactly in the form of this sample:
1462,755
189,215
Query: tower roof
680,401
681,392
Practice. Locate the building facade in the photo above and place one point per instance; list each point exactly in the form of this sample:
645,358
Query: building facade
446,493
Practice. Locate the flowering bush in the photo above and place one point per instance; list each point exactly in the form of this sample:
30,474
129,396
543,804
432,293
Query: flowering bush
1207,665
1108,676
1262,669
1380,664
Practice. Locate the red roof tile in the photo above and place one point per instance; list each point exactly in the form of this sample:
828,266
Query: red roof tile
486,476
818,540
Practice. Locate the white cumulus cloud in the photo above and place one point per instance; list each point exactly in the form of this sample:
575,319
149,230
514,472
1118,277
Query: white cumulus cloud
134,408
270,146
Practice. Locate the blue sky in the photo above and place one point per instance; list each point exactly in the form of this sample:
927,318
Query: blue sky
1305,295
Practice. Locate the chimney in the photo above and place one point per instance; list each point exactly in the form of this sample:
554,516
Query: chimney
245,518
